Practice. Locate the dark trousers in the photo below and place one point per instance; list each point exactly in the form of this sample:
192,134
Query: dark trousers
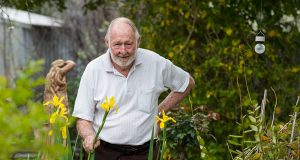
105,152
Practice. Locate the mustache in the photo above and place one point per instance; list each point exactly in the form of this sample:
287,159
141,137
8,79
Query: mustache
122,55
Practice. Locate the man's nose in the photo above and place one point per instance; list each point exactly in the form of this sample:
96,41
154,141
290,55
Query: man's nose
123,48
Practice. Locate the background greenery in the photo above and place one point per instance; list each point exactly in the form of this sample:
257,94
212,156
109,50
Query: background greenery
213,40
23,116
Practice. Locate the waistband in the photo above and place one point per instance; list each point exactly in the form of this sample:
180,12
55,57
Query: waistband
127,149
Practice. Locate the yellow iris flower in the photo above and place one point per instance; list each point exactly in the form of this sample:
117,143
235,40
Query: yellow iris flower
109,103
163,120
55,101
61,114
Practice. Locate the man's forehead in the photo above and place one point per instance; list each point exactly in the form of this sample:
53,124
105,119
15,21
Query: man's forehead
121,27
122,40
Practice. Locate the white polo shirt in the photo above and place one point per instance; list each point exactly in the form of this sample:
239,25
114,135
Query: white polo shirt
136,95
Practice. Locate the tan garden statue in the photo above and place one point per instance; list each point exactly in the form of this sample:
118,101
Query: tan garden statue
56,83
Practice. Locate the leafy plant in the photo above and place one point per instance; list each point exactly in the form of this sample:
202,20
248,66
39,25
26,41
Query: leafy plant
262,140
58,126
23,116
162,125
187,135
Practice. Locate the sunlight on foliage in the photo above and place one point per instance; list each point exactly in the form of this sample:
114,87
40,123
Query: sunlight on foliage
23,115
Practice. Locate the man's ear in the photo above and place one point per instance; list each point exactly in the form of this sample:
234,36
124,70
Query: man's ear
106,42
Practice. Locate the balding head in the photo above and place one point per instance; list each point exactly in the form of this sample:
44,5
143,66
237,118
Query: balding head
121,20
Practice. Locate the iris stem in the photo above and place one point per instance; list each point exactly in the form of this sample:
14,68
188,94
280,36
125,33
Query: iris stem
164,143
91,153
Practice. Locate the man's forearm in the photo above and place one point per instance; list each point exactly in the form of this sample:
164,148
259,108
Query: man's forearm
175,97
84,128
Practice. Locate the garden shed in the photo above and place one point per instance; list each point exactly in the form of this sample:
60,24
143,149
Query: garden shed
25,36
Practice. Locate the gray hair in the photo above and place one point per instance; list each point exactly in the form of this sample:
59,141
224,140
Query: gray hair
124,20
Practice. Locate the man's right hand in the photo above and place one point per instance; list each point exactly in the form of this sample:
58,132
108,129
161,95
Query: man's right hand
88,143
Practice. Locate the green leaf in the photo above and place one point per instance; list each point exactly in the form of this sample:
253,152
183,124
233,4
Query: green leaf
235,136
252,119
81,150
256,156
150,153
69,145
234,143
247,131
254,128
232,151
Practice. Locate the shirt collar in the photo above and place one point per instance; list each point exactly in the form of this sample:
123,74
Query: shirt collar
110,68
138,58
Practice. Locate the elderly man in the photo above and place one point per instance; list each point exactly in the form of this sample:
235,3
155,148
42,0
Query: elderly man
135,77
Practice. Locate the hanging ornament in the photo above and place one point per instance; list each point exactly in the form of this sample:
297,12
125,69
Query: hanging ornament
259,40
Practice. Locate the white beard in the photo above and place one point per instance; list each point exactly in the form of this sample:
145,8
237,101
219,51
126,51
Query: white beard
120,62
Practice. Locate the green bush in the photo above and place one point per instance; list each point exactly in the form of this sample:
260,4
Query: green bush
23,116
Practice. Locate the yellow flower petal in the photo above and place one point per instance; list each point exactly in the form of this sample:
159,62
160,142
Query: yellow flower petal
55,100
61,99
158,119
105,106
163,113
164,119
50,133
63,111
109,103
170,118
64,132
112,101
61,105
162,125
53,117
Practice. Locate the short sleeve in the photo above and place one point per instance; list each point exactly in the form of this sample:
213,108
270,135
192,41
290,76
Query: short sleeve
175,78
84,107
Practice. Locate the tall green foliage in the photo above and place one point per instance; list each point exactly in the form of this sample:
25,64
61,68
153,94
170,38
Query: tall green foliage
262,138
214,41
23,116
